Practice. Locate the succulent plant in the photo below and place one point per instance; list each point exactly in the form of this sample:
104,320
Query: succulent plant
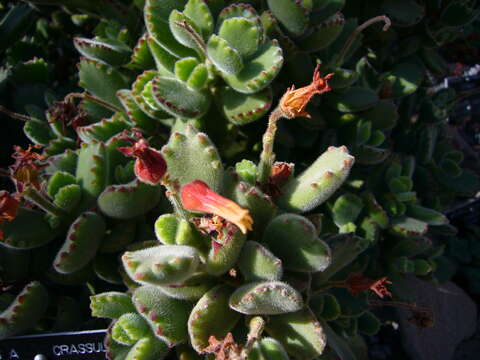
210,265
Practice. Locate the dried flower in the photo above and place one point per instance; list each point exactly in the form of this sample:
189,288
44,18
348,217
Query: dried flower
26,169
150,166
227,349
67,114
210,225
197,196
8,208
281,172
294,101
356,283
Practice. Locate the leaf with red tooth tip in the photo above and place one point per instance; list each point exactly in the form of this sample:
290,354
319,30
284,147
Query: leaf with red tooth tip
129,200
148,348
191,156
28,230
211,316
111,305
129,328
23,313
167,317
300,333
293,238
161,265
318,182
266,298
292,14
257,263
223,256
92,172
101,80
83,240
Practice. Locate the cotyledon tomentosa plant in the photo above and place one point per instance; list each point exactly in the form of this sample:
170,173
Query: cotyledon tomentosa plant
383,203
226,271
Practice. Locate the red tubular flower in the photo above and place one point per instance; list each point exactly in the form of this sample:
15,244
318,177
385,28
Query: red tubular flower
356,283
197,196
8,208
26,169
294,101
150,166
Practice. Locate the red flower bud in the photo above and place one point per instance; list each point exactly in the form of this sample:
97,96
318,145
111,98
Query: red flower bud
150,166
197,196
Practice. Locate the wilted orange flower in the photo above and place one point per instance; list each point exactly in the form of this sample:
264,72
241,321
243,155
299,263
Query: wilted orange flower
150,166
8,208
227,349
356,283
294,101
197,196
26,169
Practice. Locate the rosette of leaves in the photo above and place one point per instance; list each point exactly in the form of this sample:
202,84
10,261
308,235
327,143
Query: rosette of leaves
194,275
190,55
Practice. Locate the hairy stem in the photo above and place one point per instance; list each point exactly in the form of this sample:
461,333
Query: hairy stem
94,99
174,197
256,325
358,30
32,194
21,117
267,157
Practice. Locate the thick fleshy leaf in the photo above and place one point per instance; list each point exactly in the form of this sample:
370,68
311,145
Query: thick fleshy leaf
178,99
259,71
266,298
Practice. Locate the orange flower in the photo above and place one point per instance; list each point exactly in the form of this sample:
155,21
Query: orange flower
8,208
294,101
26,169
197,196
356,283
150,166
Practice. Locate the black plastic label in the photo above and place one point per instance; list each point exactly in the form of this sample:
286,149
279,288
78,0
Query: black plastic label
58,346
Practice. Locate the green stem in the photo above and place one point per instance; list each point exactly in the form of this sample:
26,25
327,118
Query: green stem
35,196
357,32
173,196
256,325
267,157
94,99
